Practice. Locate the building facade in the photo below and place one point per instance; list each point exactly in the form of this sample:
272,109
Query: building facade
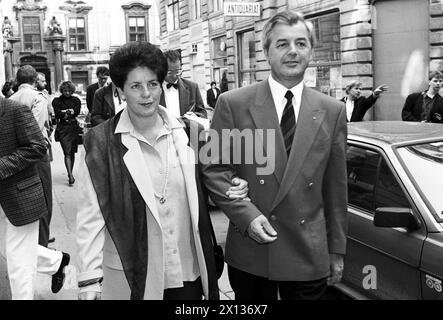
68,40
367,40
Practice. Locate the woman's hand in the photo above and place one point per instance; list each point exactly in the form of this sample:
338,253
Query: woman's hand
239,189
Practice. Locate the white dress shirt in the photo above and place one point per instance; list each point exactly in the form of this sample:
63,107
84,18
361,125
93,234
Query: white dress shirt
278,92
349,108
172,99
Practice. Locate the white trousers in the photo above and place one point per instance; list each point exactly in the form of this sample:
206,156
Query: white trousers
25,257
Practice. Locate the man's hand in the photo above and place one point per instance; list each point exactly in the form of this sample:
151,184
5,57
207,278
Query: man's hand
337,266
380,89
239,189
261,230
89,295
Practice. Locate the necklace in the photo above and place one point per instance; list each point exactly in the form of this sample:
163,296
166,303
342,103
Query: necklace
162,196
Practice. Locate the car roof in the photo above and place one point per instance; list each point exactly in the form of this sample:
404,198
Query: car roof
396,132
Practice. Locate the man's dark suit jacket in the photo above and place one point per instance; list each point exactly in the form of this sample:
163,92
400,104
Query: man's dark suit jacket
22,145
210,99
103,106
189,97
361,105
413,108
90,91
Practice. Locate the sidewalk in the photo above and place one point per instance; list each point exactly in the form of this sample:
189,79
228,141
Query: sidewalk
63,229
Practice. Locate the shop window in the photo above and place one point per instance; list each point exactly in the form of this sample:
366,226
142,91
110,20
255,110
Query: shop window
247,56
324,72
80,80
77,33
32,38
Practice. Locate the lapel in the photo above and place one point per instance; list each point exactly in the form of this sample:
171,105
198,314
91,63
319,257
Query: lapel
186,156
135,163
265,117
109,98
183,96
309,121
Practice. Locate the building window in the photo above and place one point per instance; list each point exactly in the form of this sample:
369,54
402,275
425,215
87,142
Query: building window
246,54
324,72
137,29
172,15
217,5
80,80
77,34
219,58
32,38
195,8
136,16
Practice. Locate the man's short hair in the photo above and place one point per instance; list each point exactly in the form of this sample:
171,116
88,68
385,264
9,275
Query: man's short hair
102,70
41,74
288,18
435,74
173,55
213,83
26,74
352,84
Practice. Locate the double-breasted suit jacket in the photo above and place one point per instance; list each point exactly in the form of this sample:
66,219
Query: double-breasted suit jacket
305,196
21,146
189,97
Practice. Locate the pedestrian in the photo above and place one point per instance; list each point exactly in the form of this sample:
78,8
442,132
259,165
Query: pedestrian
212,95
22,202
143,228
356,104
291,238
426,106
66,109
224,82
107,103
7,89
102,74
180,95
35,100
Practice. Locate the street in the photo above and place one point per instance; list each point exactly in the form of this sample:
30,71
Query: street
63,229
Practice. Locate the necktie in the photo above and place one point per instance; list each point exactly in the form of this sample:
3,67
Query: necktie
287,123
169,85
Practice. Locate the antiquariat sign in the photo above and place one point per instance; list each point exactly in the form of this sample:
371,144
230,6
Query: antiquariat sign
245,9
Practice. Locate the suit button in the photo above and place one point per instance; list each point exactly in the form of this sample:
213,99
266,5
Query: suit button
262,181
302,222
273,218
310,185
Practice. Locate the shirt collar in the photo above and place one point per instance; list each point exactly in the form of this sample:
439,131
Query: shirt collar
27,85
279,91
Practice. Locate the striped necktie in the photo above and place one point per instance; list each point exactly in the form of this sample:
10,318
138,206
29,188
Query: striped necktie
287,123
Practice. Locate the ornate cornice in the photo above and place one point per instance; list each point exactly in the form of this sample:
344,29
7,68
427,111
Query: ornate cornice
76,10
29,5
135,5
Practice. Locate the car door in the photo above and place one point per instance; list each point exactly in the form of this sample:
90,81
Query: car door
380,262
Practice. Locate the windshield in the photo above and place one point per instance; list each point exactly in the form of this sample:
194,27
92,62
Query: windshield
425,165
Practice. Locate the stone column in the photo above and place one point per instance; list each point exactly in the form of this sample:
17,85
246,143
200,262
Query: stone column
56,43
8,63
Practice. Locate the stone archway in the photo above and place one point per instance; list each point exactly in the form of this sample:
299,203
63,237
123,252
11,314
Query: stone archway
41,65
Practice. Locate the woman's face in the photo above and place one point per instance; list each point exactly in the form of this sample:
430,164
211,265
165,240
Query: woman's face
354,92
142,92
67,93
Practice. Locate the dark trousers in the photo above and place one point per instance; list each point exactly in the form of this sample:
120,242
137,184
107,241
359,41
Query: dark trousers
247,286
190,291
44,171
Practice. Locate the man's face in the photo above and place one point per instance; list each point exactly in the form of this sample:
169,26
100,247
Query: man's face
289,53
435,83
102,79
174,71
41,82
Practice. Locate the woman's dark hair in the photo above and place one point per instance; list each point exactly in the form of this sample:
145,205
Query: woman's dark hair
133,55
67,85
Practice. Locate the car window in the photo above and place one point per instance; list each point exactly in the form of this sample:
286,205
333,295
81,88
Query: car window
362,171
389,192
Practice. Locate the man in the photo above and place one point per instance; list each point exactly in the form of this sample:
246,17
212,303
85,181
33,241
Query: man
22,202
180,95
212,95
37,102
292,235
357,105
426,106
107,103
102,74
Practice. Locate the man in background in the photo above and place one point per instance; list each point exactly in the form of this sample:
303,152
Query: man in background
212,95
102,74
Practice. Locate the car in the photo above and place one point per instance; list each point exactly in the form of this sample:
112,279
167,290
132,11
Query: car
395,211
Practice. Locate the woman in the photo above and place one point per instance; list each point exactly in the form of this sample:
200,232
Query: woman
143,228
66,109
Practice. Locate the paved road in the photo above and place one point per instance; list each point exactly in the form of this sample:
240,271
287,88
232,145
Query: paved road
63,229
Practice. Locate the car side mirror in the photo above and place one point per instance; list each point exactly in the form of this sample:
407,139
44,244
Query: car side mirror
392,217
